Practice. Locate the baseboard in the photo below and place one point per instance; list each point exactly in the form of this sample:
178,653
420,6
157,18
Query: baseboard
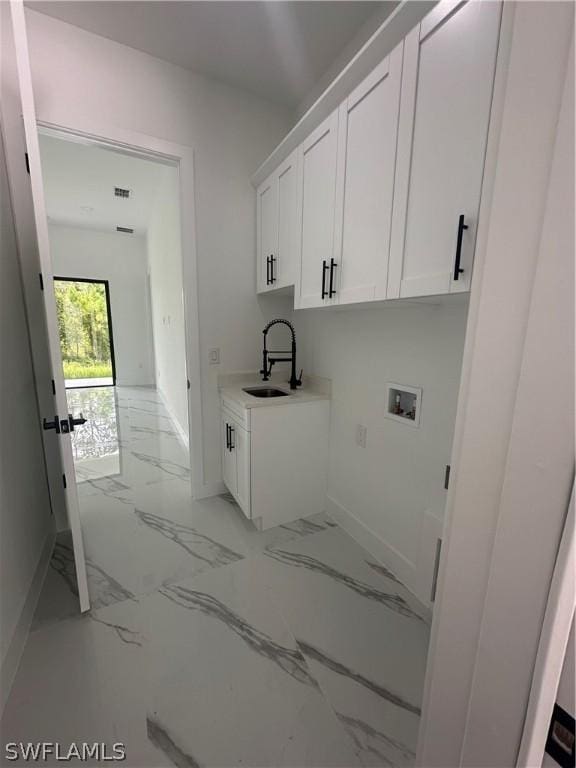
13,656
210,489
377,547
181,432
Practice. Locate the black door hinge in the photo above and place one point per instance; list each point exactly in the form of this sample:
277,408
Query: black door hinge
64,481
27,163
41,281
447,477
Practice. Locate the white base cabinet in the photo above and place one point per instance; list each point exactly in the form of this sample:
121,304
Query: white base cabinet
274,460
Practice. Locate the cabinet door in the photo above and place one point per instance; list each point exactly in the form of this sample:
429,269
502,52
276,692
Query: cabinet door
283,269
241,443
267,231
447,80
228,457
316,207
367,132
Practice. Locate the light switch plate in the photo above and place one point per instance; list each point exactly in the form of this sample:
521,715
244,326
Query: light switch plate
214,356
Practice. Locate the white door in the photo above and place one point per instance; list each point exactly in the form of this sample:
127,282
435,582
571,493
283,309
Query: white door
448,73
241,447
267,234
367,131
37,237
283,270
316,209
228,455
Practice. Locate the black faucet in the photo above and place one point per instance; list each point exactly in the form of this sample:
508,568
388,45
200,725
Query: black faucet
268,362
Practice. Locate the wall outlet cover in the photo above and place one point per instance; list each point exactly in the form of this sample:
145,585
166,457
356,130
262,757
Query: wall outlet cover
361,435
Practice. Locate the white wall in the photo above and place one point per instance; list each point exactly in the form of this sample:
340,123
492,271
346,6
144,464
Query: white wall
394,487
165,265
121,259
85,80
26,523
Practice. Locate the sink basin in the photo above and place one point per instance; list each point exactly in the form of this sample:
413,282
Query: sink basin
265,392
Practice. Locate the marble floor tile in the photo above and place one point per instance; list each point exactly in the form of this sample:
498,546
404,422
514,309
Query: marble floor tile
252,701
211,644
363,634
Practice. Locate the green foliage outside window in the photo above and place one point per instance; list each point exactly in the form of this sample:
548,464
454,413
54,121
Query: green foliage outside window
83,328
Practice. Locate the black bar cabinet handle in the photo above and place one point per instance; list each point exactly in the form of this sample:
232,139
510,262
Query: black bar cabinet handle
324,270
227,437
232,444
332,290
272,260
267,270
461,227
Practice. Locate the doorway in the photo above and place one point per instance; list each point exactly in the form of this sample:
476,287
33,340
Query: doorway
114,219
85,332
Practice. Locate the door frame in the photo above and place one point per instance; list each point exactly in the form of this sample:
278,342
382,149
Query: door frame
476,690
106,284
181,157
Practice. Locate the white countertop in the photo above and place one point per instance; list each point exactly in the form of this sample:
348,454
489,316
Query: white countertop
231,386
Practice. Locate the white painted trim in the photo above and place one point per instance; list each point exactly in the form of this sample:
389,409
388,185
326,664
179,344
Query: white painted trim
180,431
390,33
11,660
492,147
142,145
46,299
551,650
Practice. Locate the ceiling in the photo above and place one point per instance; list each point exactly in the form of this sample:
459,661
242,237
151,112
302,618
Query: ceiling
79,181
276,49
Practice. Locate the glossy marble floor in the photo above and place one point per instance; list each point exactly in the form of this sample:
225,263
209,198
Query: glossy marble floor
209,643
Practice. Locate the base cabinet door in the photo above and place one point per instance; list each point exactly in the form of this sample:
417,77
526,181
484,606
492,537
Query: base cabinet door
367,133
289,458
236,461
447,82
228,455
316,215
241,440
267,232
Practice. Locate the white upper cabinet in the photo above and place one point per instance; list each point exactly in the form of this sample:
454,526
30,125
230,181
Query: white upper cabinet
316,215
284,270
381,200
367,133
447,81
267,230
276,227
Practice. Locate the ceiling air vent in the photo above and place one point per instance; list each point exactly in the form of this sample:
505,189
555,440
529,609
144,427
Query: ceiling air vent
127,230
120,192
